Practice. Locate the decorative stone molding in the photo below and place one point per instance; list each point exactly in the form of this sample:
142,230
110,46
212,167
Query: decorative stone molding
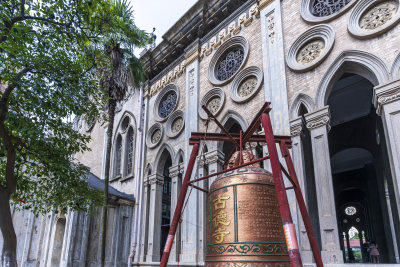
296,126
385,94
211,157
160,100
263,3
246,84
154,135
352,61
214,100
318,119
237,42
174,171
371,18
233,29
337,10
156,179
168,78
175,124
271,27
304,99
311,48
395,71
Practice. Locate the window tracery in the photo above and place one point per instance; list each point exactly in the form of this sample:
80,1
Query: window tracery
378,15
228,65
247,86
324,8
167,104
310,51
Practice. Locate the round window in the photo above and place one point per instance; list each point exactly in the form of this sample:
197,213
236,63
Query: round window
229,64
350,210
324,8
229,58
167,104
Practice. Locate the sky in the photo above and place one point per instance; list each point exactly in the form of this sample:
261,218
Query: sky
161,14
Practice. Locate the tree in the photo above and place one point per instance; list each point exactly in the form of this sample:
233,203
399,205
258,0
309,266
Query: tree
119,72
48,76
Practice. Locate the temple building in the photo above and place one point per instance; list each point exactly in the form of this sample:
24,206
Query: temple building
330,68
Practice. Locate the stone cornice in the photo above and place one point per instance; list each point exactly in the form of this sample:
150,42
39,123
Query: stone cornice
296,126
319,118
263,3
385,94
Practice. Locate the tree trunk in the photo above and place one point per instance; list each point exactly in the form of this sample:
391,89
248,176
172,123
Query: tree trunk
111,114
9,253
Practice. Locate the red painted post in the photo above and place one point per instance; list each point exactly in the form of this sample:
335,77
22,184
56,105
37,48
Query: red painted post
288,226
179,206
302,206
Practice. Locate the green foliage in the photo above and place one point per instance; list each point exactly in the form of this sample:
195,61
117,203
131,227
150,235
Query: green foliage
49,53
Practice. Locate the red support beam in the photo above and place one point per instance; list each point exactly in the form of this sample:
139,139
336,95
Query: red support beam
302,206
196,137
228,170
179,206
288,226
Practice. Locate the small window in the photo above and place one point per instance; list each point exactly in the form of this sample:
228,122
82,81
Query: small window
118,154
129,149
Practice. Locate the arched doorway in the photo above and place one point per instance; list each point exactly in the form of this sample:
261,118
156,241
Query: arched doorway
360,169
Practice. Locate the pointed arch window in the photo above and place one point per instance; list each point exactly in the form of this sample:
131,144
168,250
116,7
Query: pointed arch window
124,149
129,151
118,155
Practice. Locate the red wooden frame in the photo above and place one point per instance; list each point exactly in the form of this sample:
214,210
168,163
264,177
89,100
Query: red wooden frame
284,142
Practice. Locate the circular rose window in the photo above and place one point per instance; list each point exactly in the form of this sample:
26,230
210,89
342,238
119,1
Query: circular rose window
229,64
213,100
166,102
175,124
229,58
154,135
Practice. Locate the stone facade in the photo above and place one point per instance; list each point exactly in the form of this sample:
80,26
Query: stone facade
272,36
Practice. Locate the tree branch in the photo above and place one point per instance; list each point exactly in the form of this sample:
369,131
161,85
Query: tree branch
21,18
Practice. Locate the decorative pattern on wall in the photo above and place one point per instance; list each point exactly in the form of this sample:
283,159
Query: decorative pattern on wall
175,124
371,18
311,48
228,65
233,29
323,8
378,15
246,84
310,51
317,11
214,101
154,135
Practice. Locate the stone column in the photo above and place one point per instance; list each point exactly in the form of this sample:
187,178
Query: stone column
318,124
387,104
144,222
175,173
154,234
298,162
189,231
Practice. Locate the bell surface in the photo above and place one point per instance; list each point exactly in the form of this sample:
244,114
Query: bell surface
244,226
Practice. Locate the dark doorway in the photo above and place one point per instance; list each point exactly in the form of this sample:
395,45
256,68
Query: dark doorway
165,204
360,169
228,148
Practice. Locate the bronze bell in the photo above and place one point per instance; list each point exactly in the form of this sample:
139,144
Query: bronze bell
244,226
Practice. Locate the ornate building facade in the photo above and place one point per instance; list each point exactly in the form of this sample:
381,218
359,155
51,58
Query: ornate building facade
331,69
